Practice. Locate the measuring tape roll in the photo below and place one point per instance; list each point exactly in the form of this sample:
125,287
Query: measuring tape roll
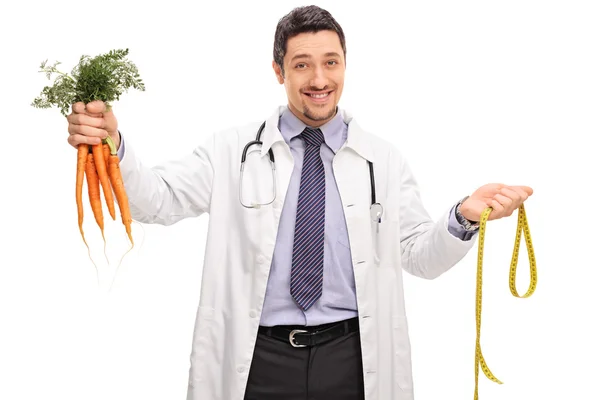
522,227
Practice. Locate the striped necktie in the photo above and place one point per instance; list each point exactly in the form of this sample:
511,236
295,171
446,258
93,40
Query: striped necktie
309,235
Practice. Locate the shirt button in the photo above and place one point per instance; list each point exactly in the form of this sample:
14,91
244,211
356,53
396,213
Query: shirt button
241,369
253,314
260,259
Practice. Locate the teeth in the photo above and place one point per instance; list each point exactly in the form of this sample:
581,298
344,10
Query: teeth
319,96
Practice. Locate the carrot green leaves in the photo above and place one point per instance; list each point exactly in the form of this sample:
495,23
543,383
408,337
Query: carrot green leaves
104,77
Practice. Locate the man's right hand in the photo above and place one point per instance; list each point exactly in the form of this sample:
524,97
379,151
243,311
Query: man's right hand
90,123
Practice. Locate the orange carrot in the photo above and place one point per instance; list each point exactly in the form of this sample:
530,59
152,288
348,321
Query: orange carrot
103,176
93,184
82,152
116,180
106,151
82,159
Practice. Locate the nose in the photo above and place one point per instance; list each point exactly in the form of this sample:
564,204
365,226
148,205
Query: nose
319,79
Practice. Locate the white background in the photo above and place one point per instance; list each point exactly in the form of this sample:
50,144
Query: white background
473,92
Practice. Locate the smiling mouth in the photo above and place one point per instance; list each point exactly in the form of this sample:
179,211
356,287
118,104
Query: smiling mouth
318,97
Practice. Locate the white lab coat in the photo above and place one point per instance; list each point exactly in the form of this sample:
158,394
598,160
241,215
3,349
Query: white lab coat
240,247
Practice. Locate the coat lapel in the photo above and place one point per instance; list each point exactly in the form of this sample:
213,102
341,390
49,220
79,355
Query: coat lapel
351,173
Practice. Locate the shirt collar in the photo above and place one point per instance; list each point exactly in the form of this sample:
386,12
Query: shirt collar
334,131
358,139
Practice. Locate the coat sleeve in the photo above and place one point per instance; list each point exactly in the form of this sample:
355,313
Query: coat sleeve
174,190
428,247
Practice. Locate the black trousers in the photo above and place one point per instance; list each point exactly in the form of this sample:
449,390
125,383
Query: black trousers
329,371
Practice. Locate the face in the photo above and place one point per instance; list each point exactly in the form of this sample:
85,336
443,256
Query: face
313,76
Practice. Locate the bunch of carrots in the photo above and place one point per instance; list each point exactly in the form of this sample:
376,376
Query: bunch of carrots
104,77
100,165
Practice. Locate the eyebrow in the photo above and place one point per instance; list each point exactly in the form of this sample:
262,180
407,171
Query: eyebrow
330,54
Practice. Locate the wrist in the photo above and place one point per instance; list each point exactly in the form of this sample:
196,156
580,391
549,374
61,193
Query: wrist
468,223
466,213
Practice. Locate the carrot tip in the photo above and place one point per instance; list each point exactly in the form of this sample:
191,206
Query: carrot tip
117,270
91,259
105,256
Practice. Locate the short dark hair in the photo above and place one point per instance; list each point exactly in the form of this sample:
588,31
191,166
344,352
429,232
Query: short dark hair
302,20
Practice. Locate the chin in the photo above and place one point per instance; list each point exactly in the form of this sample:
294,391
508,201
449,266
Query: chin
319,113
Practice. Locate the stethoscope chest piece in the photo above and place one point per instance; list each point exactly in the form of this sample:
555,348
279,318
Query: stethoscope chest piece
376,212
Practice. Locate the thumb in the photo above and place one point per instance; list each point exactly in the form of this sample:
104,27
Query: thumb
98,108
95,107
110,121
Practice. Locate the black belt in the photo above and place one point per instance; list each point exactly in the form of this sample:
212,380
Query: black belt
303,336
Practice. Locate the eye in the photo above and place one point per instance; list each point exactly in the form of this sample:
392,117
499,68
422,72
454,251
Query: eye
301,65
332,62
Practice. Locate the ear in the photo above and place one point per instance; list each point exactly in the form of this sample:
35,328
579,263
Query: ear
278,72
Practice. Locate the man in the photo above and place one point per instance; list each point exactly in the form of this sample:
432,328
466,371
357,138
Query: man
302,298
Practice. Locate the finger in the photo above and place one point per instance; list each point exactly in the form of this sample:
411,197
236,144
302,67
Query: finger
520,191
79,108
497,207
86,130
506,202
84,119
95,107
76,140
497,186
526,189
510,204
522,194
515,194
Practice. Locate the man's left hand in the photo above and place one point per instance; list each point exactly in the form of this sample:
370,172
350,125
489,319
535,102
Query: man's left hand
502,198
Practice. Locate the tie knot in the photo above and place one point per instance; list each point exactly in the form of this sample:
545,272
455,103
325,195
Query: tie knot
313,137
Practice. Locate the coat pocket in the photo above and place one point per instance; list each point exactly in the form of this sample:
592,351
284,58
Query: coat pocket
402,354
386,243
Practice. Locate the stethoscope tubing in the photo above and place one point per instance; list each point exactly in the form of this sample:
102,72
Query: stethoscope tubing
258,142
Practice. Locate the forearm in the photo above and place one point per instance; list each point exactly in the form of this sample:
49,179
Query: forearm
428,247
169,192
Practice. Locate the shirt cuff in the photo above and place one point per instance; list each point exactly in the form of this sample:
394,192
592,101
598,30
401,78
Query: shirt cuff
121,150
457,229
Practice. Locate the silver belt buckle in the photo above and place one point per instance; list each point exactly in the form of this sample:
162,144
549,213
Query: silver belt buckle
292,333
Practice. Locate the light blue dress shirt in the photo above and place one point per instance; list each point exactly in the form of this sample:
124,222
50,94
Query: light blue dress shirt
338,299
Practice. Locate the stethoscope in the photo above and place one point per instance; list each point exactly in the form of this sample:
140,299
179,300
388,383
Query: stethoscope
376,208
